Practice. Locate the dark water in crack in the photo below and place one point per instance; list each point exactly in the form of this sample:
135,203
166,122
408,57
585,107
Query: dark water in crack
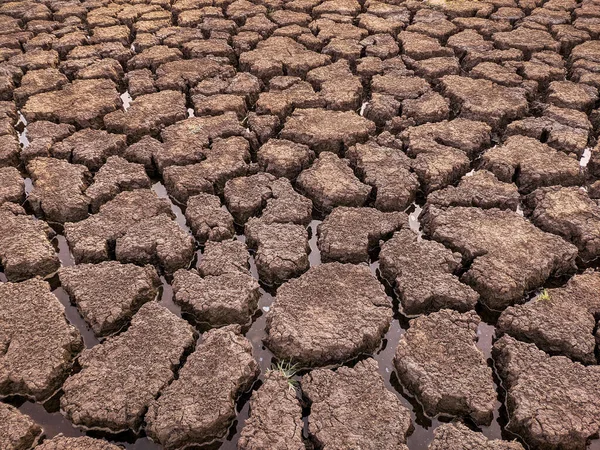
53,422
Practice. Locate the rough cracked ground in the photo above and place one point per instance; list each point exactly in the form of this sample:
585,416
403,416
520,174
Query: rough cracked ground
299,224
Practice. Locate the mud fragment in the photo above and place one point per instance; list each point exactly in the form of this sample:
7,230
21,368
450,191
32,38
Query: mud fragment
200,404
481,189
275,416
438,361
543,391
531,164
109,294
114,177
89,147
38,344
348,234
102,395
148,114
388,171
82,103
17,430
509,256
328,315
90,240
25,248
456,436
12,185
58,192
281,249
323,130
559,321
158,240
337,396
424,275
76,443
330,182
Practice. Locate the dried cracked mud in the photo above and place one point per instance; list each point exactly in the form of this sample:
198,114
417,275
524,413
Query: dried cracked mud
299,225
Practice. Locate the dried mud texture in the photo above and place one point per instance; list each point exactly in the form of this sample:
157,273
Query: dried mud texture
281,249
481,189
388,171
17,430
207,219
328,315
442,151
200,405
284,158
110,293
330,182
438,361
37,344
570,213
347,234
278,55
92,148
351,408
326,131
456,436
103,395
509,256
82,103
76,443
562,322
58,192
12,186
226,159
423,275
148,114
531,164
90,240
115,176
227,298
275,420
158,240
552,402
484,100
219,258
25,248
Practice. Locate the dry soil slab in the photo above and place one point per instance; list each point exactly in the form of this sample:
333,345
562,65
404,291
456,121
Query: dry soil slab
25,247
328,315
351,408
552,402
37,343
570,213
347,234
58,192
423,274
275,420
12,185
388,170
438,361
103,395
456,436
200,405
330,182
91,240
562,321
76,443
509,255
110,293
208,220
481,189
17,430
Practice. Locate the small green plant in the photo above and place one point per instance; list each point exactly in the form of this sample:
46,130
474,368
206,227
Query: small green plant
544,295
288,370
